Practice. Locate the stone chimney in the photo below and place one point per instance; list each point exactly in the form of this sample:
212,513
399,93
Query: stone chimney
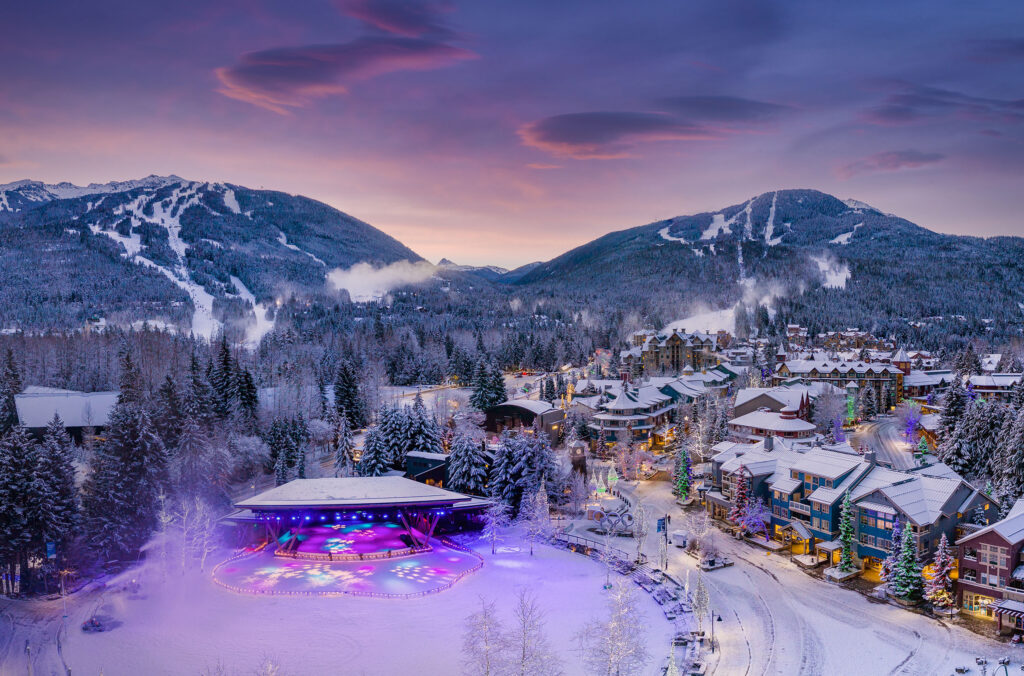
870,457
769,443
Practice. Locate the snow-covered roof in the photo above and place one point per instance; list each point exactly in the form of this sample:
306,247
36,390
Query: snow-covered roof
36,406
426,455
770,420
1010,529
787,485
827,465
801,366
351,492
996,380
922,498
533,405
631,399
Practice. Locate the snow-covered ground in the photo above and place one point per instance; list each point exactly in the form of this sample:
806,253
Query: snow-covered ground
708,320
844,238
776,619
263,325
836,273
186,625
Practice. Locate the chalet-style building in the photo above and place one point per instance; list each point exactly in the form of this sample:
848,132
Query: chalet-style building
756,425
670,352
881,377
525,413
994,386
991,571
805,485
798,396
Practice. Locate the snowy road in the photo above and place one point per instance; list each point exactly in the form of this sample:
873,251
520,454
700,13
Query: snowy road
776,619
885,438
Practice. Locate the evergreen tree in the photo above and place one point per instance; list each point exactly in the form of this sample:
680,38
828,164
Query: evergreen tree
895,541
684,469
846,527
10,385
1009,468
281,469
280,441
23,500
479,399
199,401
954,404
57,472
376,457
939,589
200,469
168,416
502,483
248,399
739,498
129,378
347,394
343,464
467,465
223,381
120,498
868,403
423,431
907,582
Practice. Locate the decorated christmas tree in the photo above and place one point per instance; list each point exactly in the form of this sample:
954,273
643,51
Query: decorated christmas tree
684,472
895,539
939,588
739,502
907,582
846,535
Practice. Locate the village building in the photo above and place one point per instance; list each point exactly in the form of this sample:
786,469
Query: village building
882,378
80,411
991,571
526,414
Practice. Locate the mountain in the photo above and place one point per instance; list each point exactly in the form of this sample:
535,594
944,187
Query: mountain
188,254
839,263
491,273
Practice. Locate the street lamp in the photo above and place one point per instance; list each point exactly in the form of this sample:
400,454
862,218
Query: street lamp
713,620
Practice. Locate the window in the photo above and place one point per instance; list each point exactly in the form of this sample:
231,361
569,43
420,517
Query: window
970,554
969,575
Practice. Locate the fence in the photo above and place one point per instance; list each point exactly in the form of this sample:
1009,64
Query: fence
331,556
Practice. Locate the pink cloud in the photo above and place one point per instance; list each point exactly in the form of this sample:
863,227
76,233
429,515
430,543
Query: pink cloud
893,160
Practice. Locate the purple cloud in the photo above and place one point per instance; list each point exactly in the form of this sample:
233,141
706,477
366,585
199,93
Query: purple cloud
400,17
914,103
290,77
996,51
726,109
892,160
606,135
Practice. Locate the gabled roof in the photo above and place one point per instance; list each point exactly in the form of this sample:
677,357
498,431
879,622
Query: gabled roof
534,406
1010,528
923,498
769,420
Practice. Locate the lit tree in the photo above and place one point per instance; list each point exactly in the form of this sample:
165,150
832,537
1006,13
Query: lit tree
617,644
907,574
496,519
939,588
484,643
641,528
529,650
684,470
895,541
701,601
534,515
739,497
756,518
846,535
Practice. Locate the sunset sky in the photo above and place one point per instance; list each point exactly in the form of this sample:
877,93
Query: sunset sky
506,132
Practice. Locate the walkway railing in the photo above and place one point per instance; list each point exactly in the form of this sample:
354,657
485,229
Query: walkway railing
371,556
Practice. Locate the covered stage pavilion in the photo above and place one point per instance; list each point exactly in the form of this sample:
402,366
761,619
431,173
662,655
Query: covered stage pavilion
374,536
355,518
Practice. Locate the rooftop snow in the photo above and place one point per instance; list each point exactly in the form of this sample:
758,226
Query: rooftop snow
351,492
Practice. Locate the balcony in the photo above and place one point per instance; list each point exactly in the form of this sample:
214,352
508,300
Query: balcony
799,508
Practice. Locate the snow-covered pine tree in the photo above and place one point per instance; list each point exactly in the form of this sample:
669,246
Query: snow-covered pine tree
739,496
496,388
480,398
23,501
281,474
939,588
846,527
467,465
347,394
502,480
222,380
248,399
956,449
868,404
423,430
907,581
120,498
895,541
1008,469
684,471
954,405
129,379
192,462
168,416
57,472
198,400
376,457
344,443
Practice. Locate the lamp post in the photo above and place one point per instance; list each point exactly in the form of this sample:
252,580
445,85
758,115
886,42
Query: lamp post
714,619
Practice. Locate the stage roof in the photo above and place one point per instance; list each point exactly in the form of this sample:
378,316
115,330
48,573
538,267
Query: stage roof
351,492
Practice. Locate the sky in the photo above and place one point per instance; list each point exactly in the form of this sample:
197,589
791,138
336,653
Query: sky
507,132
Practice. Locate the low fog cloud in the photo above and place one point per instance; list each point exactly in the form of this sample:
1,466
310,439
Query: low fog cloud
364,282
